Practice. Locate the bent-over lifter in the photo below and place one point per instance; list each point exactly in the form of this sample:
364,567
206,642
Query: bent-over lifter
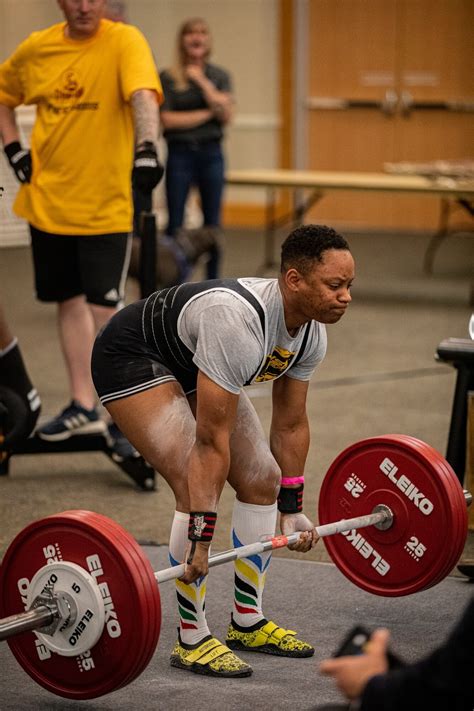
171,371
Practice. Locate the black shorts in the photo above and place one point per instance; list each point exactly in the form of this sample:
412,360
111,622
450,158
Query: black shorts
69,265
125,361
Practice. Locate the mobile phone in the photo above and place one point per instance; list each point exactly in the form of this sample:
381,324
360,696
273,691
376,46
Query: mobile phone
355,643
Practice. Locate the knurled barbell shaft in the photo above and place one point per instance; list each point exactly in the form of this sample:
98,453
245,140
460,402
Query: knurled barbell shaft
26,621
328,529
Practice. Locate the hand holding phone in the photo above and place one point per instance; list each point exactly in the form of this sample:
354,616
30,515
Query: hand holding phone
355,643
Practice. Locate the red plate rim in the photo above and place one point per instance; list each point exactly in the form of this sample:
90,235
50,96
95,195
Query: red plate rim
458,505
151,592
122,542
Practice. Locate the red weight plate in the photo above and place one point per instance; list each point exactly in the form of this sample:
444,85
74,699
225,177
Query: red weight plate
408,476
121,538
152,605
85,539
456,537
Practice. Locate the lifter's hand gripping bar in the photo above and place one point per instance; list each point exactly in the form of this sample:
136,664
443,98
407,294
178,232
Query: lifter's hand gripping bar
381,516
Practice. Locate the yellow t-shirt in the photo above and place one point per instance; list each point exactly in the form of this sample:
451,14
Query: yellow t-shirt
83,138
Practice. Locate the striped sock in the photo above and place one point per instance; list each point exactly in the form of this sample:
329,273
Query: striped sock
249,524
191,598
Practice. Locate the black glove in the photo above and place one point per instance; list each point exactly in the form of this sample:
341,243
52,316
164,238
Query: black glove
20,160
147,169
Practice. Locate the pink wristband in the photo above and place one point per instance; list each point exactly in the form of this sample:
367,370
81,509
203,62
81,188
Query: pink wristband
287,480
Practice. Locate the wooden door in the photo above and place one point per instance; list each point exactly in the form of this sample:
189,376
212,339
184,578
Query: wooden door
436,90
373,66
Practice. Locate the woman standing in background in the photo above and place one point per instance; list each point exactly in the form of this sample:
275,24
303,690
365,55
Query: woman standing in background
198,103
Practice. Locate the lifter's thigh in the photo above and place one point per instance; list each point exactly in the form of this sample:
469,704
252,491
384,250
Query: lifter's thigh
254,472
160,425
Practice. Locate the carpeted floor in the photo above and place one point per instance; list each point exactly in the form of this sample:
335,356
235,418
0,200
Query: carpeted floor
380,376
312,598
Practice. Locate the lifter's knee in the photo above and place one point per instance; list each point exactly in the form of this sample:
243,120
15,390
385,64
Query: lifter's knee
259,486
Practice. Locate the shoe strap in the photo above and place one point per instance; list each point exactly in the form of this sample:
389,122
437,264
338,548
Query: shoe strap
207,652
271,633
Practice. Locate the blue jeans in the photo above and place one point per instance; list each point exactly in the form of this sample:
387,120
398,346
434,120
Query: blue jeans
201,165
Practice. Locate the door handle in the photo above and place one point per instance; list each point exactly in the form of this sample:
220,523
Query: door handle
406,103
388,105
334,103
409,104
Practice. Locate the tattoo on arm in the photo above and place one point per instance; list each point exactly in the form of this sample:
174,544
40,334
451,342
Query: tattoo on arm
145,116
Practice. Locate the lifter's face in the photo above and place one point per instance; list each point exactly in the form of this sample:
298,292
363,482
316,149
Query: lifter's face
324,293
82,16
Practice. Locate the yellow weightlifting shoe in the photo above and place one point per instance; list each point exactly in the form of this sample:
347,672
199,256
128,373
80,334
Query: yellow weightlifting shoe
268,638
209,657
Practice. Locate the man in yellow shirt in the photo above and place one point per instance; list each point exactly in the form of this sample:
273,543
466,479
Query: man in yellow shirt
97,93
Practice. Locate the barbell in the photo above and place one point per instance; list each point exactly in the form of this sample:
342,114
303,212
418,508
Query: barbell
84,587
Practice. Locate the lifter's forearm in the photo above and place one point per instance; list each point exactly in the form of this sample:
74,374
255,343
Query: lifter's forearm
290,447
8,126
146,119
208,468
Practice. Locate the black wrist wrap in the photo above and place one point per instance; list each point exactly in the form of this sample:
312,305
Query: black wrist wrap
201,525
11,149
290,500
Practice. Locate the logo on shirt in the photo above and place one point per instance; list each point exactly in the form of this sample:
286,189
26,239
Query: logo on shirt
275,364
69,87
66,96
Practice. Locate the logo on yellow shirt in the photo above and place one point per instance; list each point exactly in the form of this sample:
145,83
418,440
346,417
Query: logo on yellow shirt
275,364
66,96
70,87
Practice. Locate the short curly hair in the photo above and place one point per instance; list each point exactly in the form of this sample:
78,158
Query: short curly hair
308,243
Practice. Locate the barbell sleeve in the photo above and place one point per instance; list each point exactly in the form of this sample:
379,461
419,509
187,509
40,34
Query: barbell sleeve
382,516
33,619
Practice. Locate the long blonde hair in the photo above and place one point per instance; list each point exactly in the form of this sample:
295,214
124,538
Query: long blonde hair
177,69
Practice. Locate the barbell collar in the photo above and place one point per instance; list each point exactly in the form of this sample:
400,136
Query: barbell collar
45,613
33,619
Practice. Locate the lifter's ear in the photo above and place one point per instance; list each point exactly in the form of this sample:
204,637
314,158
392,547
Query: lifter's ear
292,279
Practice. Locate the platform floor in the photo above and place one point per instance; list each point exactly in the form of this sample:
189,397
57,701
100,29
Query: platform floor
312,598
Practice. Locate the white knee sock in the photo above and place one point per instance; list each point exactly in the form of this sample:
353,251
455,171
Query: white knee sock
191,598
250,523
